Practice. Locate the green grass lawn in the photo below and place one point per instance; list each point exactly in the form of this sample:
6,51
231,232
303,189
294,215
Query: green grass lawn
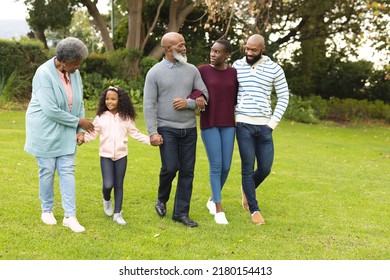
327,198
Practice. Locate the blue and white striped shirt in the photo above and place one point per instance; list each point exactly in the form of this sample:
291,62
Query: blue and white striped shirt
254,92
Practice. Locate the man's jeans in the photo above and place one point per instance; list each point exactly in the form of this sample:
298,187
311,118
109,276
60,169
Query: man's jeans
177,154
65,166
255,143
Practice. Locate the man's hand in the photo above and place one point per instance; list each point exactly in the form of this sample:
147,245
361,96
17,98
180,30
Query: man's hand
179,103
86,124
156,139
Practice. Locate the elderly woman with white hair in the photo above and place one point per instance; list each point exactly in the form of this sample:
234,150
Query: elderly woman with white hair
54,119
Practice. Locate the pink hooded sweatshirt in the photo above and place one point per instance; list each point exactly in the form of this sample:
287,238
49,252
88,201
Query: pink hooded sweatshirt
113,132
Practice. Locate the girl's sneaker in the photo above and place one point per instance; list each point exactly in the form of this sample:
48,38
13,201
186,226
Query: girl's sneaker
119,219
107,206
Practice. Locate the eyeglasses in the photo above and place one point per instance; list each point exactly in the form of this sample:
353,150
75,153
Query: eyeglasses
113,88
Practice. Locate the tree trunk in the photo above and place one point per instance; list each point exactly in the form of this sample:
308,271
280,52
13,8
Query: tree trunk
134,37
178,12
100,23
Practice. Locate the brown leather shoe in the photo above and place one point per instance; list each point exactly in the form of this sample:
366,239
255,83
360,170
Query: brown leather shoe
257,218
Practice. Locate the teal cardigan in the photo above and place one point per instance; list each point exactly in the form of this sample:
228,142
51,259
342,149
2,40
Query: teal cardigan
51,127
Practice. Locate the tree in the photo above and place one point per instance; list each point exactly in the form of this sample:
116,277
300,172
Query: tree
99,21
48,14
335,28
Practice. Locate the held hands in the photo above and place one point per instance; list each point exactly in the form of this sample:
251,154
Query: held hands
86,124
156,139
179,103
80,138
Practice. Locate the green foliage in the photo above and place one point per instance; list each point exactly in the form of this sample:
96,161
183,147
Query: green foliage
8,88
319,106
98,64
379,84
146,63
19,60
300,110
81,28
124,62
120,33
347,80
48,15
347,110
356,80
327,198
313,109
101,70
93,85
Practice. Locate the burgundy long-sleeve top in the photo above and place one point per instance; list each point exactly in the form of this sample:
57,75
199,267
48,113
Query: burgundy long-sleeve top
222,86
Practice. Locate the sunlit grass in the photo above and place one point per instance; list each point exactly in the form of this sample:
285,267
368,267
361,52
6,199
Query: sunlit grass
328,197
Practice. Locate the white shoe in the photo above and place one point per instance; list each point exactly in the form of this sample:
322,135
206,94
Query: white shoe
220,218
72,223
48,218
211,206
119,219
108,207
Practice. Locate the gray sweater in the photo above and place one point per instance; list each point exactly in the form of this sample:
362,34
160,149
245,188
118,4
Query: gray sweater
164,82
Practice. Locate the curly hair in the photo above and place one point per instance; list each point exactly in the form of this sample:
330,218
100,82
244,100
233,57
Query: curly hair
125,105
71,49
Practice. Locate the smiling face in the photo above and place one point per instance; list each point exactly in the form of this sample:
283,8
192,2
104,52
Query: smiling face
254,49
112,100
174,47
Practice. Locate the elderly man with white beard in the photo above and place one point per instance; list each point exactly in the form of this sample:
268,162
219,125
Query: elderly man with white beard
171,123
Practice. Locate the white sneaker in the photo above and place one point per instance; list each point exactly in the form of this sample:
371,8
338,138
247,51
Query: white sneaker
220,218
108,207
211,206
48,218
119,219
72,223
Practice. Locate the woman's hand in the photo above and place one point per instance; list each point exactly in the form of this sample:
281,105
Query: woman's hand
86,124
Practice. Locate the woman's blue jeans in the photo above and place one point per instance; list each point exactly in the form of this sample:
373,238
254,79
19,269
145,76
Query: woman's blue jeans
177,154
219,144
65,166
255,143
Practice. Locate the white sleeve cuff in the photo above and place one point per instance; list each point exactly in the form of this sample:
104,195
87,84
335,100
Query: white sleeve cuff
272,123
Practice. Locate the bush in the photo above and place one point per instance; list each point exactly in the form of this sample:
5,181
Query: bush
300,110
98,63
18,63
125,63
347,110
314,108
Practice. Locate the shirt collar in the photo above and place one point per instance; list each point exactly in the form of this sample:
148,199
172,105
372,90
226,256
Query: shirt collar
170,64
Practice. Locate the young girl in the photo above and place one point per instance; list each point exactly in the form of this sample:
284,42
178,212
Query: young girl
114,119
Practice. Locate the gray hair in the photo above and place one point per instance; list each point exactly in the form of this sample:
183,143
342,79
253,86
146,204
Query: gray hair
71,49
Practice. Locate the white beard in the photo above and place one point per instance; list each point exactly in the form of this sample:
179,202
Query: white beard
182,58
